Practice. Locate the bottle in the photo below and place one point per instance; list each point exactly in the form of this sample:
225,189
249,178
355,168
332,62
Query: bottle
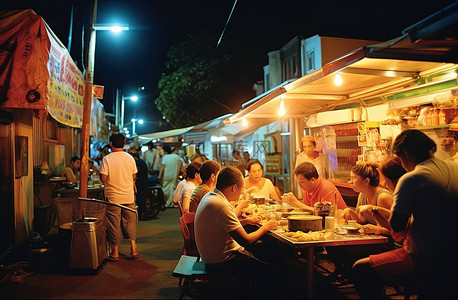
428,118
442,117
435,117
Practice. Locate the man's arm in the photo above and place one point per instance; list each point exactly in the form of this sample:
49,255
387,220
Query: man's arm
243,238
291,199
398,221
103,177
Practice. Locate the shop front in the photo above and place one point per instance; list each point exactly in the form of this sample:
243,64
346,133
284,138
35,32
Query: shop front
355,105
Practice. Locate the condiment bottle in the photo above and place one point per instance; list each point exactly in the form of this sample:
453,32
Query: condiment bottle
442,117
435,118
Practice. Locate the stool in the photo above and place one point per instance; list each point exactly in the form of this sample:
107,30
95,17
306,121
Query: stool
188,268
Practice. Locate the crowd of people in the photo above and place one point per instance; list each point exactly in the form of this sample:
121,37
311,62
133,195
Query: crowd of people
411,198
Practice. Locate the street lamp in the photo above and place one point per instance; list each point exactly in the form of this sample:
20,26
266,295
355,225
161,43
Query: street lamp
133,121
90,59
133,98
133,125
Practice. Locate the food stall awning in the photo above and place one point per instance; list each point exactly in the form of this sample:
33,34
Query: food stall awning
367,75
164,134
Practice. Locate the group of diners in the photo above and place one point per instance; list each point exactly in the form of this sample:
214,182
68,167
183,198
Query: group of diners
412,198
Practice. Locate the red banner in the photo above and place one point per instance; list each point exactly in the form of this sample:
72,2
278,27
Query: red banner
24,54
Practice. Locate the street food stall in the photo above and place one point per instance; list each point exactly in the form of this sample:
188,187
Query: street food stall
357,103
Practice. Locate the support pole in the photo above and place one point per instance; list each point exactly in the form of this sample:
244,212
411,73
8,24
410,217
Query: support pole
87,105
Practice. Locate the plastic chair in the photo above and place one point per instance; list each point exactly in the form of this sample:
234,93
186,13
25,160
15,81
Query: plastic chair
187,229
181,208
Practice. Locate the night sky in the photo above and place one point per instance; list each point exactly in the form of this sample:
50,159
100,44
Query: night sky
136,58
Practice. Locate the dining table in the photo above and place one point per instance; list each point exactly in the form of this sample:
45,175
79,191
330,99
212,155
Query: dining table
335,239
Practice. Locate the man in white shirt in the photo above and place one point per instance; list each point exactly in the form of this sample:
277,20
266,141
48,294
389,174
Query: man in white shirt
219,233
150,156
118,173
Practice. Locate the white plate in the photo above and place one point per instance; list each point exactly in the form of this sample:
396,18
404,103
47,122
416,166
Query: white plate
349,227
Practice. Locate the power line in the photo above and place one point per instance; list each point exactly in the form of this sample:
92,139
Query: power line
227,22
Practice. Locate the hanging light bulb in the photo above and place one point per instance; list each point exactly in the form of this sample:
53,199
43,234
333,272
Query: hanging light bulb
281,111
244,122
338,80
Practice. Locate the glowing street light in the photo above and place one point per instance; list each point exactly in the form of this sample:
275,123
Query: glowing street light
133,124
132,98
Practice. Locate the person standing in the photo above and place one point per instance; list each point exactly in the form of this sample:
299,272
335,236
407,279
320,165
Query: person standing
424,209
170,169
141,182
118,173
309,154
150,156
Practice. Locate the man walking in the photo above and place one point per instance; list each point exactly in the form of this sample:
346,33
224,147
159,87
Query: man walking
118,173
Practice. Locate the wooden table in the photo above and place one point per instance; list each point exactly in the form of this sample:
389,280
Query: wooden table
350,239
92,192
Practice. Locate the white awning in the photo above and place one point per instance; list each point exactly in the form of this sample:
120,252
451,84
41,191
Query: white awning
165,134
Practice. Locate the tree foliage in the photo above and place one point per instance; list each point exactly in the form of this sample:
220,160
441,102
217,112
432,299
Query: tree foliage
203,82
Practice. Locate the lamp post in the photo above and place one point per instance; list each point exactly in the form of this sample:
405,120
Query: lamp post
133,125
90,58
133,98
132,121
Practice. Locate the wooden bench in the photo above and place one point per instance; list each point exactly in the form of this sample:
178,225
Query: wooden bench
188,268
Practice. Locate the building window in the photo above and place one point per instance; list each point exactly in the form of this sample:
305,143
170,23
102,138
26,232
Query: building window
310,61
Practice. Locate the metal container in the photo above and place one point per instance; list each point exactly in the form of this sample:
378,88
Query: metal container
305,223
88,246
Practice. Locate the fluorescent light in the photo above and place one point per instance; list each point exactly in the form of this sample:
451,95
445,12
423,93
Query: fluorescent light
281,111
113,27
338,80
285,133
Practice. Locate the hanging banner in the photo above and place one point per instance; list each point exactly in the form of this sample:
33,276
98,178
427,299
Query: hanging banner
66,85
24,48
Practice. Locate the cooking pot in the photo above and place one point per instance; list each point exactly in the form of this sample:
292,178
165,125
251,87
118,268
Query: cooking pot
305,223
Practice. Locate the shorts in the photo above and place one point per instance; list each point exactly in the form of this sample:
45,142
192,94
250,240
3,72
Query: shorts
394,265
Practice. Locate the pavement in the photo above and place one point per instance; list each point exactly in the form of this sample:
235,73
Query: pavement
44,274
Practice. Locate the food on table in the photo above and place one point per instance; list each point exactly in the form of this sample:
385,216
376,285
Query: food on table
323,209
300,236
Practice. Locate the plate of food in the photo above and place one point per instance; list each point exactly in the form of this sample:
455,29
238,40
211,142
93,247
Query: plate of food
351,227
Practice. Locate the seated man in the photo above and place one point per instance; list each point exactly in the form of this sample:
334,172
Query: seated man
316,189
208,173
71,172
219,233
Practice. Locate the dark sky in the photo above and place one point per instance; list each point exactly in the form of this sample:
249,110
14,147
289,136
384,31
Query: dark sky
136,58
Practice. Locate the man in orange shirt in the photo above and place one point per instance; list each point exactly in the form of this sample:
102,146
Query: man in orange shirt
316,189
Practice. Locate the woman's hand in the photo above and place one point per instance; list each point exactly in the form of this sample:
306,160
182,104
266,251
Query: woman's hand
365,211
349,214
370,229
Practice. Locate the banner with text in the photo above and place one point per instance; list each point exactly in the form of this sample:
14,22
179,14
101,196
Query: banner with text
66,87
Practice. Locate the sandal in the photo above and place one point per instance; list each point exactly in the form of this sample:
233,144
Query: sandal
134,255
113,258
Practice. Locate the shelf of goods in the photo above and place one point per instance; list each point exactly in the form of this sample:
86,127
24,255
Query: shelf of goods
273,163
347,149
